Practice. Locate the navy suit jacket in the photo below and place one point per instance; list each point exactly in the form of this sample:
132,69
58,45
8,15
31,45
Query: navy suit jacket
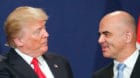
13,66
107,72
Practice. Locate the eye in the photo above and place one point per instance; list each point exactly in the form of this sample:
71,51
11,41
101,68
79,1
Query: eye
37,31
107,34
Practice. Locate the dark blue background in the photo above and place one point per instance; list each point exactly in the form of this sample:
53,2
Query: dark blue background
73,28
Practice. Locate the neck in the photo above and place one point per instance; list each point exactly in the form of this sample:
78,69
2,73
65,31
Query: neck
125,54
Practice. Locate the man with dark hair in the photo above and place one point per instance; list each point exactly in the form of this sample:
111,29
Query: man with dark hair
118,42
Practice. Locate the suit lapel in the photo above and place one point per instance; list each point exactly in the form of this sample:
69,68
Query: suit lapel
20,66
136,70
55,66
109,71
51,63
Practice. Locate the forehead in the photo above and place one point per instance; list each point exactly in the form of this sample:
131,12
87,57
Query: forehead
107,26
34,25
110,25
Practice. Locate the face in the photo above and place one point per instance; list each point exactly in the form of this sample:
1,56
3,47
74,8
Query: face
35,39
111,39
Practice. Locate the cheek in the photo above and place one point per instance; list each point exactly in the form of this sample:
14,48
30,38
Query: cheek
32,41
116,47
115,40
36,40
112,44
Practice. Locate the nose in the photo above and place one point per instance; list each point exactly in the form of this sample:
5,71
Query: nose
101,39
45,33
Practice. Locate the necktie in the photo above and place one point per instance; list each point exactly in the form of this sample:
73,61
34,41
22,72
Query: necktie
37,69
120,68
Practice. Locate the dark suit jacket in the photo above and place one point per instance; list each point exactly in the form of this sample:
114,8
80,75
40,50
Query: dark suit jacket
107,72
13,66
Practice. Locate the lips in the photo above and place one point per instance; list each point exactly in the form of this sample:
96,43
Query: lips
104,47
45,43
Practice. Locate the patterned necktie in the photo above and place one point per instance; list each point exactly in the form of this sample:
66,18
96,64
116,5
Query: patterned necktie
37,69
120,68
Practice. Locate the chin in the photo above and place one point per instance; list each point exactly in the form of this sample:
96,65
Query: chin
106,55
45,49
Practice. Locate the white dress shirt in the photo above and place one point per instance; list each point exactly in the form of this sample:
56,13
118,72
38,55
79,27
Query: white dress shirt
129,62
42,63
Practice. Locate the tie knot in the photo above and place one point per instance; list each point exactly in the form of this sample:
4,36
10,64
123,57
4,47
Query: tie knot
121,66
34,61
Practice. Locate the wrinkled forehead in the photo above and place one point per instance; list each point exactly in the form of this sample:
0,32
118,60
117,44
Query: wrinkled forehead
35,24
109,26
112,24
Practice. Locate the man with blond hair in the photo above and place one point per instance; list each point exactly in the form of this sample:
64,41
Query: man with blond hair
28,38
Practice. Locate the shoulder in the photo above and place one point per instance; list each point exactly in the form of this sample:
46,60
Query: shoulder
2,58
107,70
52,58
3,64
59,62
55,57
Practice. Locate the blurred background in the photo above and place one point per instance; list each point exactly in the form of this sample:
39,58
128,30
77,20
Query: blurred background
73,28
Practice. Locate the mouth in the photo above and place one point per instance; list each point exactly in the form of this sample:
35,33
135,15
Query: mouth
104,48
45,43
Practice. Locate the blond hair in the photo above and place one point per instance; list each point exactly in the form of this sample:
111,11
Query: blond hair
18,18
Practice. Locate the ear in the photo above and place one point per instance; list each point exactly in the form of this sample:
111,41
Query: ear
18,42
129,36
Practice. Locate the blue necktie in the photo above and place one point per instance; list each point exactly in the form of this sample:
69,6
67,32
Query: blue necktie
120,68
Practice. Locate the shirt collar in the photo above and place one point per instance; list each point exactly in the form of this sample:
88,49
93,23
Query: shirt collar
130,61
28,58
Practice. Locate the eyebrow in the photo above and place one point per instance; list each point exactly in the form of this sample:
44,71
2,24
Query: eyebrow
105,32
